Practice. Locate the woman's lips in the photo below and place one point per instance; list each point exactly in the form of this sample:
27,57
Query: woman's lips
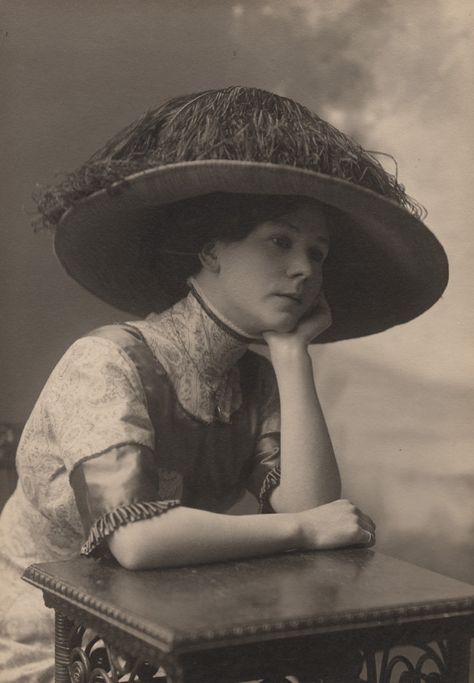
291,297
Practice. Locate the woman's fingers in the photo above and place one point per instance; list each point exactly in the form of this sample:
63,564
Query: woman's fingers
366,530
324,307
322,316
366,522
336,525
368,537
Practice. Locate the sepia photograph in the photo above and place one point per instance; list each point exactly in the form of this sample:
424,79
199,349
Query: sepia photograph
236,341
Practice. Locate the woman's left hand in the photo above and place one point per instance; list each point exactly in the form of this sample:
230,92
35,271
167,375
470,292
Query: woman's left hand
311,326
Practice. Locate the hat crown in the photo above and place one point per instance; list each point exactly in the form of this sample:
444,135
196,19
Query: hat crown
246,124
234,123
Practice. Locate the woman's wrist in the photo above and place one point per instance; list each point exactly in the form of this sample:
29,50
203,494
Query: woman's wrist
295,532
288,348
286,356
300,539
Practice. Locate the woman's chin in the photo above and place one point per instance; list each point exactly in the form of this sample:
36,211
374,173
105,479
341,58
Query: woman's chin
282,325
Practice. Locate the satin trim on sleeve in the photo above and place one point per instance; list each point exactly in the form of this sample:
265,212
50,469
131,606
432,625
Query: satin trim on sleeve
117,487
121,475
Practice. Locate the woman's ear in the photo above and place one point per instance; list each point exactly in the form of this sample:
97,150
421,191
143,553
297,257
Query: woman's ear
209,257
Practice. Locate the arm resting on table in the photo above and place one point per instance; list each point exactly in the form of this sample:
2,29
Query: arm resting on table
185,536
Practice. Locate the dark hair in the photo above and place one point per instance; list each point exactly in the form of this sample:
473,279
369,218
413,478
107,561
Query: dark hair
183,228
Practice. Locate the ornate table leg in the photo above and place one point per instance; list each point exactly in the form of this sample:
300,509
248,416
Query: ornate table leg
443,661
93,660
458,656
63,627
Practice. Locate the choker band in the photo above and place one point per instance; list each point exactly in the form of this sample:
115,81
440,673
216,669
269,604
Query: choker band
218,318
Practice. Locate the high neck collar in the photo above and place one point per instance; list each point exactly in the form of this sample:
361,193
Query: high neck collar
199,351
220,320
210,347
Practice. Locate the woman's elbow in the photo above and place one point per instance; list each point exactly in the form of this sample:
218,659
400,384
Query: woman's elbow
123,546
131,549
135,548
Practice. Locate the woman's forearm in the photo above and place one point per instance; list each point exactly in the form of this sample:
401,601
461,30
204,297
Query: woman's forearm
185,536
190,536
309,471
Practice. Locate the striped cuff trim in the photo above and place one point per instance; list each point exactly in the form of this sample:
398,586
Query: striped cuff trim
271,481
132,512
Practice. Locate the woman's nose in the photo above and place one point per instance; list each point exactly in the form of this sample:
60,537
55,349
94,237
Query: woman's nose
300,264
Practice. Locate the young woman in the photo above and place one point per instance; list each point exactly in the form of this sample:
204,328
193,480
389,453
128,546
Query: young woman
221,219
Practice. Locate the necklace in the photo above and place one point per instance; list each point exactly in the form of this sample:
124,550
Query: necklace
216,393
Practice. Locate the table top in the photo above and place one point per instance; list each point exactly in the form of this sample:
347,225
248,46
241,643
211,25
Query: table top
186,608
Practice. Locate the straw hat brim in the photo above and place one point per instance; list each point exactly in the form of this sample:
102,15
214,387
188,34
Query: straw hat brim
385,267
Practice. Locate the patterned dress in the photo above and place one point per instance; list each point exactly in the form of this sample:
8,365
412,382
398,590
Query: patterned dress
126,429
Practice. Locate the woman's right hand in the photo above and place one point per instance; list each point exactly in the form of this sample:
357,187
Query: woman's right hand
335,525
314,323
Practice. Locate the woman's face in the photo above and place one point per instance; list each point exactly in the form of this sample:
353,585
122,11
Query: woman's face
273,277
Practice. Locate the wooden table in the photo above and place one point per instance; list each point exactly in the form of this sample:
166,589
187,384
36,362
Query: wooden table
324,616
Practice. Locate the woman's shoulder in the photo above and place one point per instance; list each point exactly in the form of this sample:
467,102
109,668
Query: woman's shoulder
106,344
99,364
104,347
93,400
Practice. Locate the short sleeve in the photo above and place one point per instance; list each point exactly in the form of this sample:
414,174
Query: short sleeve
96,400
265,474
106,439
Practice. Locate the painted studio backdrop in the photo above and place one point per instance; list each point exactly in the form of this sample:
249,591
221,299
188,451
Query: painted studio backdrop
398,76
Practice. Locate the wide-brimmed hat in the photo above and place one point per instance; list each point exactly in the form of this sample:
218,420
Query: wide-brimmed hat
385,267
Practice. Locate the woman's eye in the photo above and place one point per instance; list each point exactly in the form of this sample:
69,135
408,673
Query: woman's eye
282,241
316,255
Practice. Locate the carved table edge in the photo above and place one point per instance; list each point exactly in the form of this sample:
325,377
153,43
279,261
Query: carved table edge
169,641
129,643
77,600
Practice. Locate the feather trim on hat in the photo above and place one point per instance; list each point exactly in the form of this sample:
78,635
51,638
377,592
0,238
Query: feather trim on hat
234,123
